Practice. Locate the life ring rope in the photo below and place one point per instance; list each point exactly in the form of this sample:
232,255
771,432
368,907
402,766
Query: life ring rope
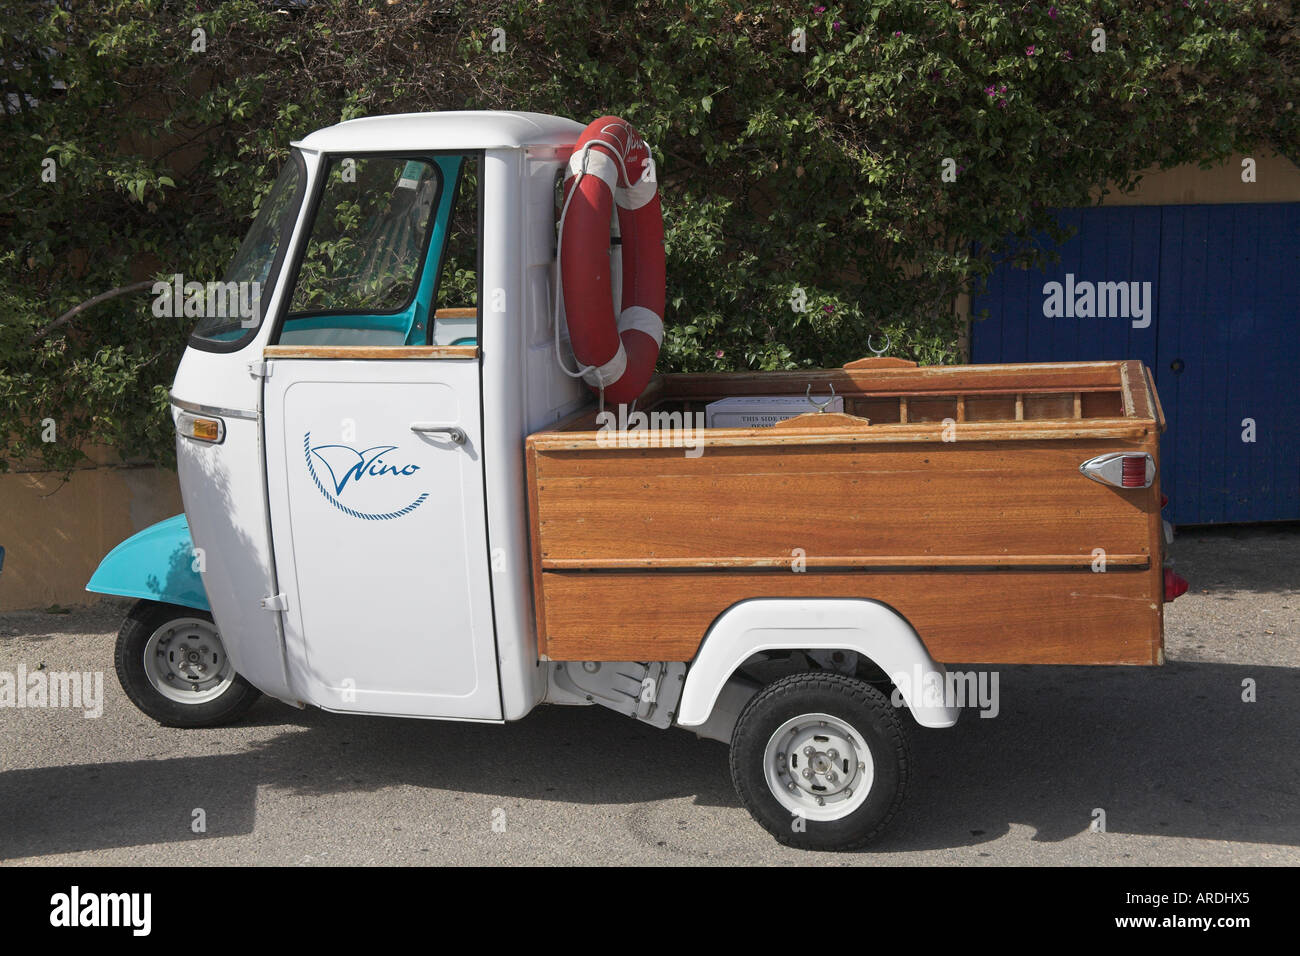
559,251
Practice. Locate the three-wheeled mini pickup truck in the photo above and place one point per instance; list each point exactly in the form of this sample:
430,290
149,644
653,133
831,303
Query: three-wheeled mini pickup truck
432,475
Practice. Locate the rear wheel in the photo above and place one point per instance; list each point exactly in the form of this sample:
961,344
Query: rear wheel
173,666
820,760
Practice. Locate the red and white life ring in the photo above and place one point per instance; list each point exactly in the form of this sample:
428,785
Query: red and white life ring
611,165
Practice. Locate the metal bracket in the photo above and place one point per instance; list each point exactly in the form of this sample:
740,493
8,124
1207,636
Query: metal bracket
820,406
276,602
645,690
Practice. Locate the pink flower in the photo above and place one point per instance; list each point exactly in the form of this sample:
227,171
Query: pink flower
1051,12
828,309
819,9
718,354
898,33
1029,50
835,25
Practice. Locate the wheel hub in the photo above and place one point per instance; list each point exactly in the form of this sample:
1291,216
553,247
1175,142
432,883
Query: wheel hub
818,766
186,661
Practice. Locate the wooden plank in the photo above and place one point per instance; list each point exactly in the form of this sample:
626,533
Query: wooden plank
1115,429
952,499
815,420
457,312
880,361
370,352
918,561
1050,406
1155,399
1139,393
1126,390
996,617
535,548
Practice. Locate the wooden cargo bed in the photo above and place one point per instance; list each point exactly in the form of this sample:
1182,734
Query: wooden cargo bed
952,494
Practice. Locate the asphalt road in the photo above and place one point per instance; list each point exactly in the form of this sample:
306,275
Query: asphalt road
1185,770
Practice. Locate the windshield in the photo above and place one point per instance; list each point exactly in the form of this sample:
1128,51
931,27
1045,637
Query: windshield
234,310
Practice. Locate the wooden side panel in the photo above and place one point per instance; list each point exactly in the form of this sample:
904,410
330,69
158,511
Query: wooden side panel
835,502
982,617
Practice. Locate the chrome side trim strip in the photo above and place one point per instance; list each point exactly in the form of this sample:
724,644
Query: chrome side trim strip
211,409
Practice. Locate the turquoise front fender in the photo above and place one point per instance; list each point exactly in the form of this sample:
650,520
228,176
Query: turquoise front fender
157,564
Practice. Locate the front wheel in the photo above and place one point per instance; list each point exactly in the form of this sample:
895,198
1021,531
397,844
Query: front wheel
820,760
173,666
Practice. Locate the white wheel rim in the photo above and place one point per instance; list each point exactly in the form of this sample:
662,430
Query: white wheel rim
186,662
818,767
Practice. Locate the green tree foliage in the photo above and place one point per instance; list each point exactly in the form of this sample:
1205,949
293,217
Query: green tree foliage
791,171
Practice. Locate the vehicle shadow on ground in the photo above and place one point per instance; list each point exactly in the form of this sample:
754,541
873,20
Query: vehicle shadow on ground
1169,752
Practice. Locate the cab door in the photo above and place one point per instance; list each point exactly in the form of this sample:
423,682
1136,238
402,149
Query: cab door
378,520
374,448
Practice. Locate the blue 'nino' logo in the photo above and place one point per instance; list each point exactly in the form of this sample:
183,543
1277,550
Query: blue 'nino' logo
349,468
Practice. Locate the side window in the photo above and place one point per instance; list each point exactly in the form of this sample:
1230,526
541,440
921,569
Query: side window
456,302
363,267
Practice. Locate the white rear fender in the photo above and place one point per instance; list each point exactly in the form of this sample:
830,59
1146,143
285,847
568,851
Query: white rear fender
868,628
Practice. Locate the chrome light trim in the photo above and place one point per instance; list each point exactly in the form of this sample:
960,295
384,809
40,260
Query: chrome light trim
1108,469
216,410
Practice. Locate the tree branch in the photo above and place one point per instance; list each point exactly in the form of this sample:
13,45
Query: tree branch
73,312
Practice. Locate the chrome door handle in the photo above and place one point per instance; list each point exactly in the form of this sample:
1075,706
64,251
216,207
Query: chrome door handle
454,432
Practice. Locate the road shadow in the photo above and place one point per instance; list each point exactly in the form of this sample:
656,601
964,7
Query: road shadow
1239,558
1170,751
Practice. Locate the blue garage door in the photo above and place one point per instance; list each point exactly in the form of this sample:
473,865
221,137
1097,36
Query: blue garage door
1221,340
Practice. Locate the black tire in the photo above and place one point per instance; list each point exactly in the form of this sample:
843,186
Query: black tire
144,619
864,709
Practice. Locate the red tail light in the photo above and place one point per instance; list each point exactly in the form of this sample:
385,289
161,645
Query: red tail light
1135,471
1175,585
1121,469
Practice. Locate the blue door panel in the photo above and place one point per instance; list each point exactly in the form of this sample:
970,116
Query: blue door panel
1226,282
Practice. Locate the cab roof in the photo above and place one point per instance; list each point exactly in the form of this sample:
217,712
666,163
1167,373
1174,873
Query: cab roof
469,129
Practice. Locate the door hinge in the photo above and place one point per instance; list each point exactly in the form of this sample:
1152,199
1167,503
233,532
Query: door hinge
276,602
259,369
